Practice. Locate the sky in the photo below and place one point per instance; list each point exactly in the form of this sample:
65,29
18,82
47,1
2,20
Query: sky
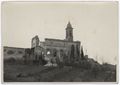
95,25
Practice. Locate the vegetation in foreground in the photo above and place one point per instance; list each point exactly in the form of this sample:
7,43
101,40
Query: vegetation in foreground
85,71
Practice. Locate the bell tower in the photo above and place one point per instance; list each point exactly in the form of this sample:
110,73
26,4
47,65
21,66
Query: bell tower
69,32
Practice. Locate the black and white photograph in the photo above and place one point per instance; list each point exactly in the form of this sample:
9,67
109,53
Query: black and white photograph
59,41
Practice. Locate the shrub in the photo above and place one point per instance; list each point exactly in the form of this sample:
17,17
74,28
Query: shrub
10,60
83,64
95,70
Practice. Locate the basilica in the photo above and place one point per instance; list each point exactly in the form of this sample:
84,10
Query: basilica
66,50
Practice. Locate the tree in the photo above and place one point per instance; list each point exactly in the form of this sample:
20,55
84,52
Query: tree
72,54
95,70
78,52
82,53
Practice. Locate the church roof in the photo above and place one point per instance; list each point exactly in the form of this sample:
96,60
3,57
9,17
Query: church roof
55,39
61,40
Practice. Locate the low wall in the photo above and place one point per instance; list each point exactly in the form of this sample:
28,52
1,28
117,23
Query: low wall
13,52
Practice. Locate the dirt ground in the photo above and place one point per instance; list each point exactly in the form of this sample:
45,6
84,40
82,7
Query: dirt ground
37,73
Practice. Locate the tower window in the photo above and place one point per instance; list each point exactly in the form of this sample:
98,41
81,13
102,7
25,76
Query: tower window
70,33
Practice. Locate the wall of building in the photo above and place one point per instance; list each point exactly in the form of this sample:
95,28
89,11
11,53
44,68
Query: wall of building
13,52
35,41
58,45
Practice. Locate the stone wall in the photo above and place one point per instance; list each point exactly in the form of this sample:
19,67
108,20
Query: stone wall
35,42
13,52
61,47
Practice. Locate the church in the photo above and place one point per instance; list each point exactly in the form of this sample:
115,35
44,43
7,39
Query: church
57,48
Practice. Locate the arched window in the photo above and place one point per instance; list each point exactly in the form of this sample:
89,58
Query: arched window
54,52
70,33
48,52
61,52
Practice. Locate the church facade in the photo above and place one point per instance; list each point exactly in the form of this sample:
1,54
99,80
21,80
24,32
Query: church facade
57,48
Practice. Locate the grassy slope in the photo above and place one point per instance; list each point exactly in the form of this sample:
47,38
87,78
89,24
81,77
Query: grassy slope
29,73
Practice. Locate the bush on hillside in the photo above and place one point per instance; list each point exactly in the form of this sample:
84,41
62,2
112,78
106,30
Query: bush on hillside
82,64
95,70
10,60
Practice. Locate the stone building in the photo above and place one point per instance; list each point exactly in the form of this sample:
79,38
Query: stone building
35,42
13,52
50,50
57,48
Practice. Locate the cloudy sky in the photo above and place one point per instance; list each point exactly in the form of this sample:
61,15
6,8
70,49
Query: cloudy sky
95,25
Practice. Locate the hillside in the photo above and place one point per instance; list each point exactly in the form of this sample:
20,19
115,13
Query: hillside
74,73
